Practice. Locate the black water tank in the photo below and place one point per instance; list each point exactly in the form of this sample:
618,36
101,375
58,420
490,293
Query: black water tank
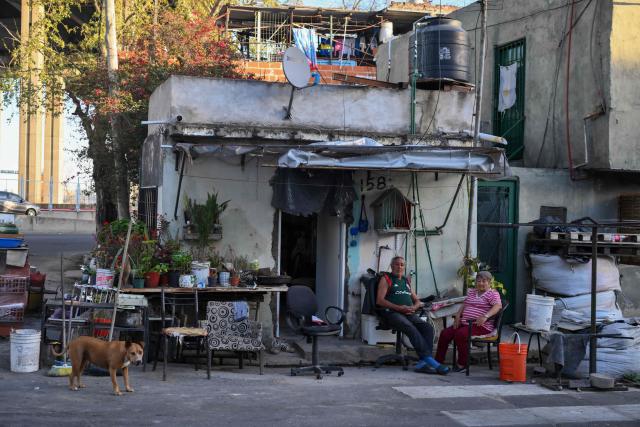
443,50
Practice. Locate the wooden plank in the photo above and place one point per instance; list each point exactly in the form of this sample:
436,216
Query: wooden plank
364,81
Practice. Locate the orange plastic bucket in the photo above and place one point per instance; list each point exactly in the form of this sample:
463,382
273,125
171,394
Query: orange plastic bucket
513,361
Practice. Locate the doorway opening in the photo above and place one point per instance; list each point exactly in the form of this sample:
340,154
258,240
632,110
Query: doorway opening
298,248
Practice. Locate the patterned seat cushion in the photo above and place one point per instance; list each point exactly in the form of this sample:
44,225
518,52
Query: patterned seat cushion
225,333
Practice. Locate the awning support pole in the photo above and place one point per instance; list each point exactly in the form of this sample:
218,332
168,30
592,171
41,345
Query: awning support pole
175,210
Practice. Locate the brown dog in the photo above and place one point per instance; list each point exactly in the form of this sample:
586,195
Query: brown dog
109,355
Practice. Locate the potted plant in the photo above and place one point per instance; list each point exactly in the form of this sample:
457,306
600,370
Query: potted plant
203,220
470,267
181,261
152,278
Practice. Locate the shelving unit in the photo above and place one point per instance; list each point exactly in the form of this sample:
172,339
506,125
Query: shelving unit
89,323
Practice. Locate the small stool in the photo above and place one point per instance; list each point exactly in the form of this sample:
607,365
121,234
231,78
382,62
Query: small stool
519,327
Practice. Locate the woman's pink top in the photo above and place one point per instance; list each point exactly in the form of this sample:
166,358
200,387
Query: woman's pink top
478,305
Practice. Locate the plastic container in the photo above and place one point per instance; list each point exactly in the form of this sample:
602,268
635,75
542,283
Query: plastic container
224,278
25,350
386,31
104,277
539,312
513,361
10,242
201,272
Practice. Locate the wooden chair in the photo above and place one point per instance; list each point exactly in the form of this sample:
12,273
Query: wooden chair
490,339
224,333
171,329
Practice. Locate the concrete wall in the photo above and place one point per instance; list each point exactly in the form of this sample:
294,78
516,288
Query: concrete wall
598,46
596,197
56,225
624,46
447,250
357,110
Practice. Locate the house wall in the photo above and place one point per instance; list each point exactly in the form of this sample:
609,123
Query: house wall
604,61
272,71
596,197
624,46
447,250
337,109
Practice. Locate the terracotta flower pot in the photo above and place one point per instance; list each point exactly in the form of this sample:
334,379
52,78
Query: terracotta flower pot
152,279
234,280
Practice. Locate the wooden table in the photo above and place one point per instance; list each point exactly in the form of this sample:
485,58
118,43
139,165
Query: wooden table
218,292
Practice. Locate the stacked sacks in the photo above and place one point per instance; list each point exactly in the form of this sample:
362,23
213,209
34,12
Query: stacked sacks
615,356
570,281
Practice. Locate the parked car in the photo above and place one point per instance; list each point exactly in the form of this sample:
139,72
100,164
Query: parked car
13,203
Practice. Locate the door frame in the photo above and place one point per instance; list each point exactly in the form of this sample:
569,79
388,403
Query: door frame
511,275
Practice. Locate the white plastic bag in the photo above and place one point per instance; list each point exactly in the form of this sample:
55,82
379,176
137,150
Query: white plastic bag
554,274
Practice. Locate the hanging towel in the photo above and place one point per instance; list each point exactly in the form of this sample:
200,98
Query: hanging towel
241,309
507,97
306,40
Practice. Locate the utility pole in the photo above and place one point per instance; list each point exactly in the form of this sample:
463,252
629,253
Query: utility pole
111,42
476,132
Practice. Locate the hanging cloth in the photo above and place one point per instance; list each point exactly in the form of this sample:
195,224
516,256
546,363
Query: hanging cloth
363,224
507,96
306,40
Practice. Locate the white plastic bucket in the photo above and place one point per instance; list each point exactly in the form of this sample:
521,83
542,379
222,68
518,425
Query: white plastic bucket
104,277
224,278
539,312
25,350
201,271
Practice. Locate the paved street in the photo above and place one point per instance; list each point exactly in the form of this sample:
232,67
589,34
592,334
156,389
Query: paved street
362,397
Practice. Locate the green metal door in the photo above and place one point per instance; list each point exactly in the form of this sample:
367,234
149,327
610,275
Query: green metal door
497,247
510,123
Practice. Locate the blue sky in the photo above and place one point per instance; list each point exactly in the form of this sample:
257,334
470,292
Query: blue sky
336,3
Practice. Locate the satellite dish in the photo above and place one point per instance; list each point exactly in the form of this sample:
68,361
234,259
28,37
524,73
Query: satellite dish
296,67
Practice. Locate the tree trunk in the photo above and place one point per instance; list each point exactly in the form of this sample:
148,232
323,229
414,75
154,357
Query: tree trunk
119,158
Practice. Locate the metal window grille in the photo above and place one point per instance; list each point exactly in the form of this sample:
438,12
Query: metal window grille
148,207
510,123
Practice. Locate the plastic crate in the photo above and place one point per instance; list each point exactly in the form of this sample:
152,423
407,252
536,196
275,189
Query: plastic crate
13,284
11,314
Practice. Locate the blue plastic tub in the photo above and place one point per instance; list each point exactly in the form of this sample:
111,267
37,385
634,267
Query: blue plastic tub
9,243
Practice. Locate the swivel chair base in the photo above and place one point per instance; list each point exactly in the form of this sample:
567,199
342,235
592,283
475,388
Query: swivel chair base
398,356
318,370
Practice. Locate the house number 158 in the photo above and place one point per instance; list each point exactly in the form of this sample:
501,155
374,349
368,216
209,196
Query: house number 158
373,183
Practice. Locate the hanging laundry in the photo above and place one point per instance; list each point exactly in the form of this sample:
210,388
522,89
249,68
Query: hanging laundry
507,95
348,46
306,40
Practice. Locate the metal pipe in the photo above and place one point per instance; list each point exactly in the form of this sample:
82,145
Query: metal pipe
593,339
175,210
455,197
476,136
414,74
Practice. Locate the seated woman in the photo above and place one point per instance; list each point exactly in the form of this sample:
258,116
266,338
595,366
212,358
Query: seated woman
481,304
398,303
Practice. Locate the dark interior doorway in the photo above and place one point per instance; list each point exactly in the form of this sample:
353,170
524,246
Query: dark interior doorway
298,248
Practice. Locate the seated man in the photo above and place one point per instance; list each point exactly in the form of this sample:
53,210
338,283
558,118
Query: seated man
398,305
481,304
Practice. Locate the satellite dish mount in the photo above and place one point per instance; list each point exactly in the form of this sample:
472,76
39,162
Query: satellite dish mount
295,66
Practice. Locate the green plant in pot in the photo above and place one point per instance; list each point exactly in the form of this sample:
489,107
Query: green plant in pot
204,218
470,267
152,278
181,262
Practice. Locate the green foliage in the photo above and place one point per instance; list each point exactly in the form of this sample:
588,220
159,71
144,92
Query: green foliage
181,261
65,60
205,216
474,265
160,268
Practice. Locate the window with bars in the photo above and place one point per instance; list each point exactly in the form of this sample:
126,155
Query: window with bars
510,123
148,207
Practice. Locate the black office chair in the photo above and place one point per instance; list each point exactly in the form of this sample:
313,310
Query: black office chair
370,283
301,306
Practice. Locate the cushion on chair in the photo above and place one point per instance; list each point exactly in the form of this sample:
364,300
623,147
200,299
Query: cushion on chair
320,329
185,332
225,333
234,343
493,336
